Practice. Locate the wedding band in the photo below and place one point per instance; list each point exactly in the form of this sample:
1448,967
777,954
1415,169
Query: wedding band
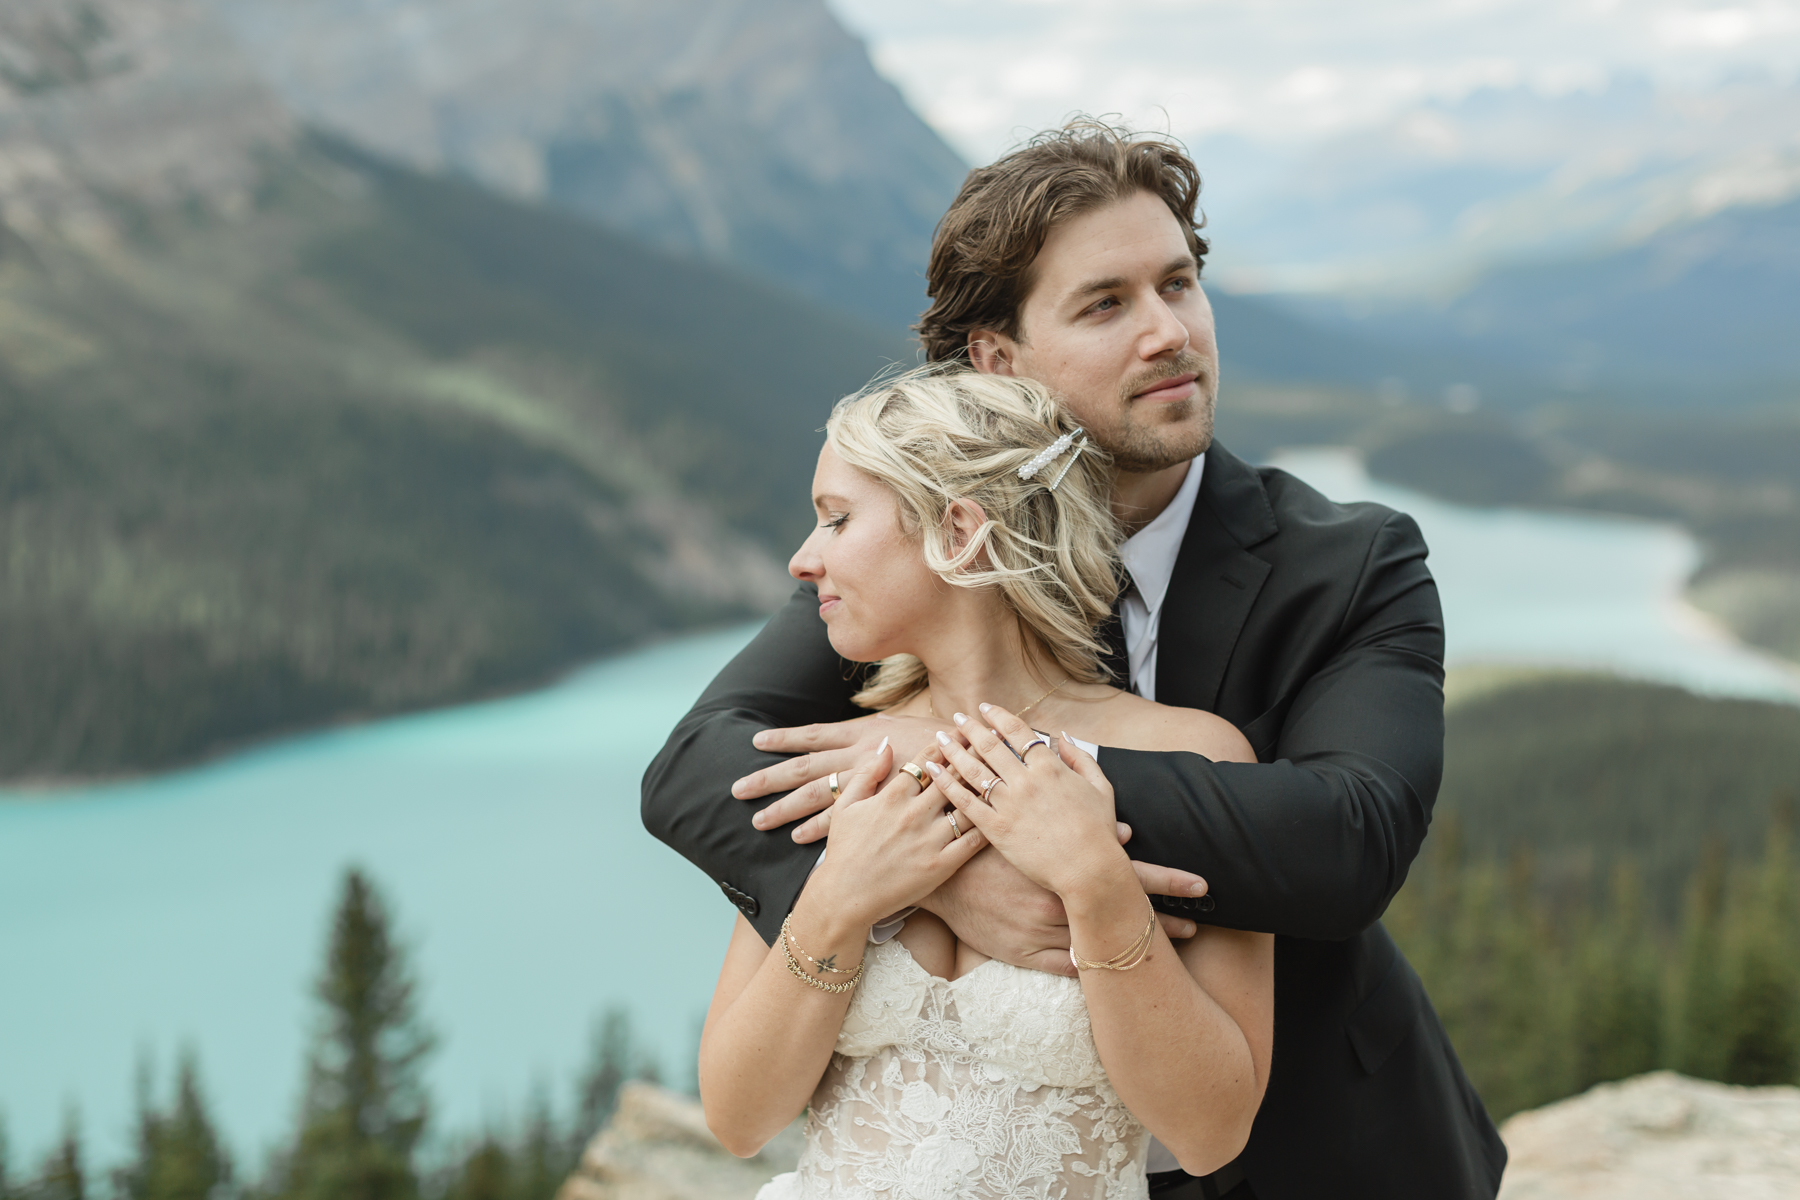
918,773
1039,740
955,828
831,781
990,785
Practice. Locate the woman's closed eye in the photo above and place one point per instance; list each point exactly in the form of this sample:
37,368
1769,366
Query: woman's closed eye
834,521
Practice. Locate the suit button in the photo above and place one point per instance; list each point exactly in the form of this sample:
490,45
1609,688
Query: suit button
745,903
1204,904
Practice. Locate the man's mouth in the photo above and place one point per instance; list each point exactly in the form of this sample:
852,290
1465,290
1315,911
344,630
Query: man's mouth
1179,387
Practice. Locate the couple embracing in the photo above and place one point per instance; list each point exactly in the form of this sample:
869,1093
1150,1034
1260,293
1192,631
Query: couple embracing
1096,755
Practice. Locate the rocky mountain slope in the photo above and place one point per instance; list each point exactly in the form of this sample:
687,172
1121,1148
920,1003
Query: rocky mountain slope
289,435
749,131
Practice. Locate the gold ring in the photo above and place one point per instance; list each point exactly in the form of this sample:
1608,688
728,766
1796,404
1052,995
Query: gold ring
918,773
954,827
990,785
831,781
1039,740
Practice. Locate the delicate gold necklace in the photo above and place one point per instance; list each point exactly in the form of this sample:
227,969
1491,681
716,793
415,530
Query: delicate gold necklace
932,704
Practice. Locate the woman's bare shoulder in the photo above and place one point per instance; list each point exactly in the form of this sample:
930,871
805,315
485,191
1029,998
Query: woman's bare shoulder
1135,723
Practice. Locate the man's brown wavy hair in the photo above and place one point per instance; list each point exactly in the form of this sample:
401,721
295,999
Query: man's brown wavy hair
982,253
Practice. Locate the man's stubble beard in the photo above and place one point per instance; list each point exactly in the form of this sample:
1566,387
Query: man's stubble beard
1142,449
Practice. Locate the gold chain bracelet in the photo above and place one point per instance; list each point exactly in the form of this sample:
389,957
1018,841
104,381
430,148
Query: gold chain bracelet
1133,956
799,972
788,936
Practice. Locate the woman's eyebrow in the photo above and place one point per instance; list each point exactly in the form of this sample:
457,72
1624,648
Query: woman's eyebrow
821,501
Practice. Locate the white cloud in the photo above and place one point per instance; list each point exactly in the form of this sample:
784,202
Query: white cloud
1281,71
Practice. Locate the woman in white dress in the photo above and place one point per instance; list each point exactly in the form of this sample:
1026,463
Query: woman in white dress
965,543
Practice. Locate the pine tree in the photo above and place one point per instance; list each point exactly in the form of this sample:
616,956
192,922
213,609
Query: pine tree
1765,993
1699,1041
179,1155
6,1184
1618,1000
543,1159
609,1066
484,1174
63,1177
365,1105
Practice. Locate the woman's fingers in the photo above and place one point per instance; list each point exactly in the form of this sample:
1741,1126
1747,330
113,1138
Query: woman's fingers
980,755
853,786
974,809
1016,732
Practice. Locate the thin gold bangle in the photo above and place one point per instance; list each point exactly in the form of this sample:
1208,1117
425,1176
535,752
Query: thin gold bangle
799,972
1138,951
787,935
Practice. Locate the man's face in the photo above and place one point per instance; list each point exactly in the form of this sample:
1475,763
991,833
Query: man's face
1116,324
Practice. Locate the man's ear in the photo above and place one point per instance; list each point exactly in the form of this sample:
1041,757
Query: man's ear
992,353
964,517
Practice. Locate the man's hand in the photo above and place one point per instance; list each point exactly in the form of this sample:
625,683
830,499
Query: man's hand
820,750
992,906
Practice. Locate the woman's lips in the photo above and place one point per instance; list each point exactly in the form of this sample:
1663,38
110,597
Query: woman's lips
827,603
1179,388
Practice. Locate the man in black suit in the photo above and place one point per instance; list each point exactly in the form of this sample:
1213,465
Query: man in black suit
1314,627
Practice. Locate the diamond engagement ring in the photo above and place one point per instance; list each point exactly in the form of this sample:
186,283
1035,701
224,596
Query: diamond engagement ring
990,785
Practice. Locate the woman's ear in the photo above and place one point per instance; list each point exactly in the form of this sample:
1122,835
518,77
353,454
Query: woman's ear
963,520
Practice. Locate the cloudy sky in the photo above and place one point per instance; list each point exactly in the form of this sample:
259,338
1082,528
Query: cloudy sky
1285,71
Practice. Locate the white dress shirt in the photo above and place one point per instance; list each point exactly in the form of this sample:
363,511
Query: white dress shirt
1149,556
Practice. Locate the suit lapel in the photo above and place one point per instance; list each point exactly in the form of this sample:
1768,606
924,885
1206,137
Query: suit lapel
1215,584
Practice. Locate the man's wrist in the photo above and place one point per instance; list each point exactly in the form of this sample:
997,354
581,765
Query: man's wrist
1094,890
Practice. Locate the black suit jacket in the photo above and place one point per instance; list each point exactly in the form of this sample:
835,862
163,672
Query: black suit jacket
1315,628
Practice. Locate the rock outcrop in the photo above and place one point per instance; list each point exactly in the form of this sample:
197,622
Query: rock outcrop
657,1147
1660,1136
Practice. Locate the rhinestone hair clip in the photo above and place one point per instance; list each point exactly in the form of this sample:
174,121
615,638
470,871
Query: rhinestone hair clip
1051,453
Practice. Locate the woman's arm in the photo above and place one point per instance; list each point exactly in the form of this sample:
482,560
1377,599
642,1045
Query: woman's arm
769,1035
1185,1038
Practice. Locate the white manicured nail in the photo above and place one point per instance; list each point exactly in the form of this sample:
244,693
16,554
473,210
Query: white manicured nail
881,747
959,718
943,738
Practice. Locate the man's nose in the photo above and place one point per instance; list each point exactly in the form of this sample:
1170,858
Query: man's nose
1164,332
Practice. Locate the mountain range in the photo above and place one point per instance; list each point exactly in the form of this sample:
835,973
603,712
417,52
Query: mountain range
755,132
291,434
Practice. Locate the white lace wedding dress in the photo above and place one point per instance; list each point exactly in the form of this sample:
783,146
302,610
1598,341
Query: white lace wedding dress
986,1087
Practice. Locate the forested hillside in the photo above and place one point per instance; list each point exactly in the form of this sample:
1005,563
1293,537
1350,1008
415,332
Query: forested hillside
380,441
1610,885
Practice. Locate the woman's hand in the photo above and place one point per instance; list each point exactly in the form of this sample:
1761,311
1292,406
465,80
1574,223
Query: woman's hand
1050,815
888,850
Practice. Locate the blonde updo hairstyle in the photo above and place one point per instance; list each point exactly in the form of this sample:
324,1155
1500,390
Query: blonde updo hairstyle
937,435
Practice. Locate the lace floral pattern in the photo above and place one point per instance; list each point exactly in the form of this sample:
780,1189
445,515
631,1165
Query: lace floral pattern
986,1087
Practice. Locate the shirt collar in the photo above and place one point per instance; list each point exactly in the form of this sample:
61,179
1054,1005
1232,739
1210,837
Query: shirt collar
1149,554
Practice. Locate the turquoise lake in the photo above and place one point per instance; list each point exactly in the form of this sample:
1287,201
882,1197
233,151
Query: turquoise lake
191,907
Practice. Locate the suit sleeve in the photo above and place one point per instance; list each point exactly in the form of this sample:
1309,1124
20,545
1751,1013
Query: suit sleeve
1315,843
787,675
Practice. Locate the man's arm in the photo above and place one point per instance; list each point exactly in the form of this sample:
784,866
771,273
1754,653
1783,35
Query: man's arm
788,675
1315,843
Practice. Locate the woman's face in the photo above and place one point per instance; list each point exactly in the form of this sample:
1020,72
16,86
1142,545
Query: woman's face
874,587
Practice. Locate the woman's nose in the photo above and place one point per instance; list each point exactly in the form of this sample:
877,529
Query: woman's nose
806,565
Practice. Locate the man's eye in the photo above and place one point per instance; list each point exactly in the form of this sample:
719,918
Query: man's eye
1103,305
1180,284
